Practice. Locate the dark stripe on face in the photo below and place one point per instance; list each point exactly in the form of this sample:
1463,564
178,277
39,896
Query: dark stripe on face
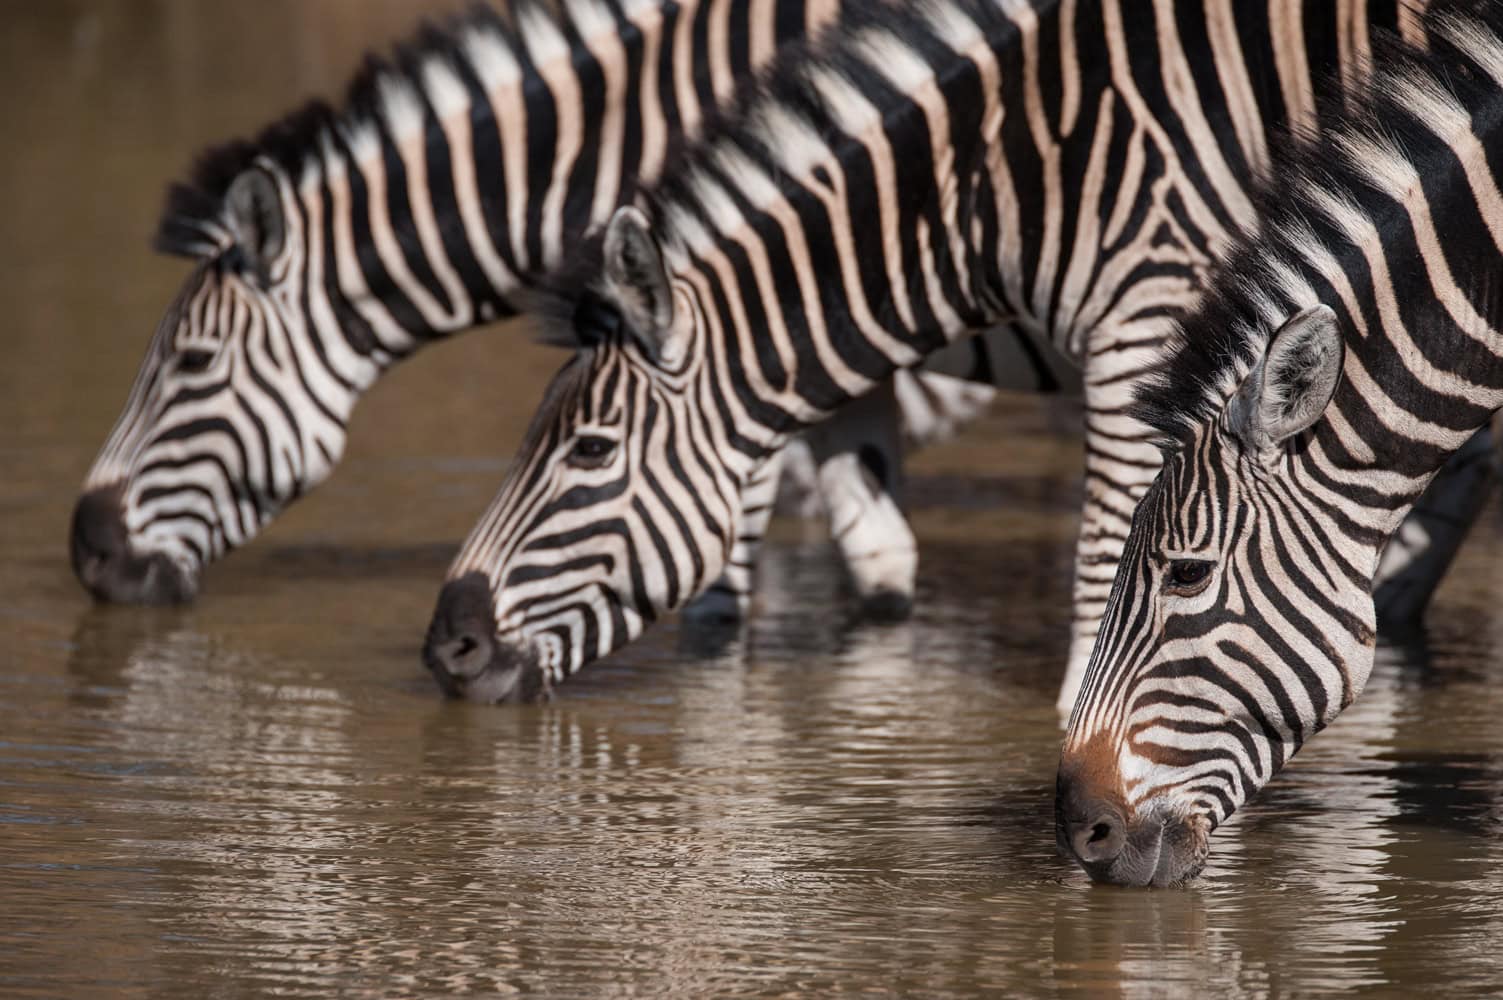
663,552
264,438
1204,670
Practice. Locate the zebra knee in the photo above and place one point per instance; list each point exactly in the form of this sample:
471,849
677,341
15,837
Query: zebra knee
875,540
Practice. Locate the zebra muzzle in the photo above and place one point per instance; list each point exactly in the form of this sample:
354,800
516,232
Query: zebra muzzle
1122,847
464,654
107,564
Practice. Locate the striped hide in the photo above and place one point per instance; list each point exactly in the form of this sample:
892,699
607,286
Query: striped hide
1346,354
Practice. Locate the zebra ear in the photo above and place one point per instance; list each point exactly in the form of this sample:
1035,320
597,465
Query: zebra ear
255,210
638,280
1290,387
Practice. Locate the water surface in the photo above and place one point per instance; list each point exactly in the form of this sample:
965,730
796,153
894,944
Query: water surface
263,794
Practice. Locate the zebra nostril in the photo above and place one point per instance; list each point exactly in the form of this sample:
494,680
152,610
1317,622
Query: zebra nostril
459,646
1099,839
464,657
97,534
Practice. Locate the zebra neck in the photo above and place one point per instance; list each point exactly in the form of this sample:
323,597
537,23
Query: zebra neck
1374,459
914,179
825,236
475,167
1395,224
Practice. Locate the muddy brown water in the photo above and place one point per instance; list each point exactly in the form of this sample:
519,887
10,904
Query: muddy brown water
263,795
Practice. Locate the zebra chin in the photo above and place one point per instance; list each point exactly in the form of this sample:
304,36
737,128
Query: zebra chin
108,564
467,658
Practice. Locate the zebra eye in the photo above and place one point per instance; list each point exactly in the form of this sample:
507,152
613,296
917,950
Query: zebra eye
1189,576
194,361
591,451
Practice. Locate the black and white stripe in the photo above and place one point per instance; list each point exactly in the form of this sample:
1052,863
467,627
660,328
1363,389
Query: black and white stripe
338,243
531,125
905,184
1346,356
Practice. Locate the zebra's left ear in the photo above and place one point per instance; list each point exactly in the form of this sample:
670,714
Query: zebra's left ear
638,281
255,210
1291,386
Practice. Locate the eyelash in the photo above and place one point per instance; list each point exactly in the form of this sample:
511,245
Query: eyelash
591,451
193,362
1188,576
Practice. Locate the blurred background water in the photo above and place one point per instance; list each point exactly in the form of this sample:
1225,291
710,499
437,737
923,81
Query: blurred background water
263,794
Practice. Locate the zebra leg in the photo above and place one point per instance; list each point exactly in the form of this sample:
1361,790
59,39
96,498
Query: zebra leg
859,455
798,483
850,468
728,599
1421,551
934,406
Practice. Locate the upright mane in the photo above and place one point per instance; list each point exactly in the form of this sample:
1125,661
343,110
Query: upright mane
192,220
739,157
1253,289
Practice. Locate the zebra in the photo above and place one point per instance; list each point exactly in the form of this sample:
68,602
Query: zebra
206,453
1092,216
336,245
1344,356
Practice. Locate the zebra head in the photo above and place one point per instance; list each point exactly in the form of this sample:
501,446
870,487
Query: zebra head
1238,626
622,503
231,415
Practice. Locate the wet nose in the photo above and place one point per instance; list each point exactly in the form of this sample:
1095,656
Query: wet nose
1091,826
98,537
459,646
1097,836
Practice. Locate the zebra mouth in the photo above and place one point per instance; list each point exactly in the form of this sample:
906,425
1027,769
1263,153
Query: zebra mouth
467,658
153,579
108,564
487,671
1156,847
1162,851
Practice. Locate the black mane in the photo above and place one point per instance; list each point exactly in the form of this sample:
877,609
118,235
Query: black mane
1217,345
784,82
192,222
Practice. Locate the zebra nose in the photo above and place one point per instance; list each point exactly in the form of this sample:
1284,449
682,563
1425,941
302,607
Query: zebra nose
1097,839
98,536
1091,826
459,646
